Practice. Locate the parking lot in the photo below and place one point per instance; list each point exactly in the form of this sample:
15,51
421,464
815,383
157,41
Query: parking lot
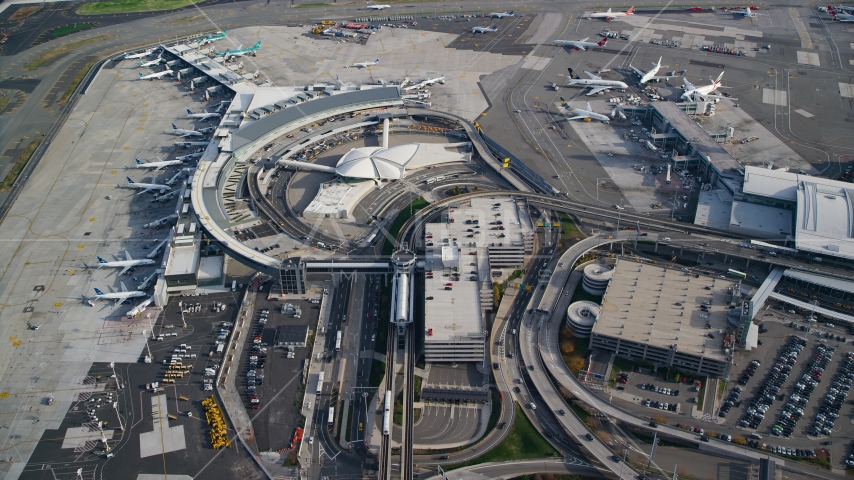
656,395
273,374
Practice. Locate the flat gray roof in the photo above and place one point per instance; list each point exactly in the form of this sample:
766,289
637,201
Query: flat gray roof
292,114
835,283
660,307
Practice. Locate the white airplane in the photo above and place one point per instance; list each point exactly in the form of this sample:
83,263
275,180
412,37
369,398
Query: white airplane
133,56
580,113
841,8
491,29
611,15
595,83
147,187
150,63
501,14
747,12
693,93
156,75
190,144
582,44
190,156
207,130
186,133
650,76
126,264
160,163
366,63
839,16
204,115
440,79
118,297
377,7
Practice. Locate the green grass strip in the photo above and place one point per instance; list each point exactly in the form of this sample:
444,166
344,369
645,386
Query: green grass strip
22,160
59,51
130,6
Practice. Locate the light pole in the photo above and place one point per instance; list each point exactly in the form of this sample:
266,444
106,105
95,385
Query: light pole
597,187
116,408
619,214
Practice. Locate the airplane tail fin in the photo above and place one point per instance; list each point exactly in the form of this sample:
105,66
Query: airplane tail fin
630,11
258,45
140,75
129,180
174,127
562,101
189,112
101,260
603,42
572,74
721,76
98,292
589,109
138,161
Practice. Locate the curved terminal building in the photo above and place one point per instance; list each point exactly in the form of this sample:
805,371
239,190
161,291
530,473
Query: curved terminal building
596,278
581,316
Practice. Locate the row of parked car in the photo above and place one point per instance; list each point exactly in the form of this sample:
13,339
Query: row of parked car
257,360
794,409
755,413
662,390
730,401
660,405
832,402
749,371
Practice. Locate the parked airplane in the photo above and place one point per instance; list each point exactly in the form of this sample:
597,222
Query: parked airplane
190,144
125,264
841,8
693,93
150,63
160,163
186,133
839,16
377,7
190,156
204,115
154,75
366,63
240,51
214,37
502,14
207,130
147,187
491,29
143,54
609,15
439,79
580,113
747,12
650,76
582,44
118,297
596,84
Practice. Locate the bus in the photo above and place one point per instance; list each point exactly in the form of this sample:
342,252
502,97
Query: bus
736,273
331,418
319,383
338,341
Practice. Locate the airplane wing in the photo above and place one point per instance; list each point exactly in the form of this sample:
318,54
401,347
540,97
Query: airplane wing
584,39
576,117
143,191
594,90
127,255
637,72
688,85
588,107
592,76
659,78
124,270
124,288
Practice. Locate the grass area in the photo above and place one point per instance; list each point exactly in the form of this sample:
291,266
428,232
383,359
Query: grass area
416,395
495,413
453,192
397,415
4,102
377,373
69,29
568,229
25,11
404,215
721,388
312,5
522,441
349,422
573,350
20,163
582,413
130,6
384,312
581,294
59,51
513,276
340,413
74,83
701,395
416,415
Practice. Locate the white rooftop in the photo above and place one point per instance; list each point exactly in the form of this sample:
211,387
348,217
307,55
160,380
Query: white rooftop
771,221
451,314
835,283
777,184
392,162
825,217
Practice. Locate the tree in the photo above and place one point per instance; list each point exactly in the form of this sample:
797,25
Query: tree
575,364
739,440
677,378
567,346
660,420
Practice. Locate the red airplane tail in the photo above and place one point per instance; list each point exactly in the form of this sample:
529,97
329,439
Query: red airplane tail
603,42
630,11
831,10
